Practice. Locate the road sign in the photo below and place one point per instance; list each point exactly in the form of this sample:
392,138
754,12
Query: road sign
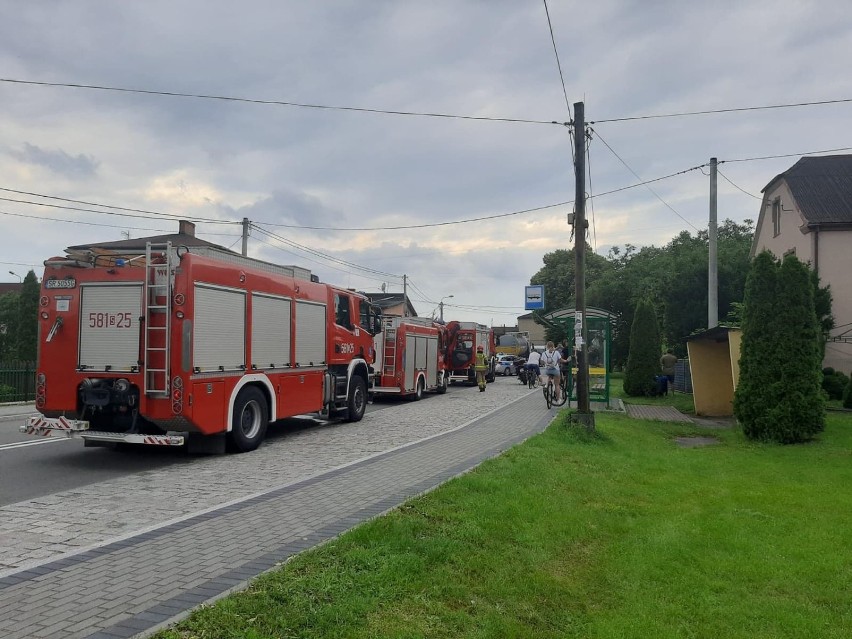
534,297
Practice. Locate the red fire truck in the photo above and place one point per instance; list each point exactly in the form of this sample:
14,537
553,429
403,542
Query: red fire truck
410,356
462,340
197,349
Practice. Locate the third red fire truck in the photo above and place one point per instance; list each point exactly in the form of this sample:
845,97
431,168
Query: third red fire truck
410,357
462,340
167,347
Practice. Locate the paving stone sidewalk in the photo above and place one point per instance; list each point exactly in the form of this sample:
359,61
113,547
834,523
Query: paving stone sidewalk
660,413
129,587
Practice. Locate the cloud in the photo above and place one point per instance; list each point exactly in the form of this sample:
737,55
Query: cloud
57,161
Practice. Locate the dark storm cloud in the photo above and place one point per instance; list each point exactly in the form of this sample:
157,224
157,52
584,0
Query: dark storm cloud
58,161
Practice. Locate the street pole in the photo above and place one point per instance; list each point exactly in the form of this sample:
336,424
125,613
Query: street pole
713,266
584,413
245,236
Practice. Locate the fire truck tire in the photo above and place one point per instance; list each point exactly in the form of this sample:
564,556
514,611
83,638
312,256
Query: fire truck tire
442,387
357,400
248,424
417,395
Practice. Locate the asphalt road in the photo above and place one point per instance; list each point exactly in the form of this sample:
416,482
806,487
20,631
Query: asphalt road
34,467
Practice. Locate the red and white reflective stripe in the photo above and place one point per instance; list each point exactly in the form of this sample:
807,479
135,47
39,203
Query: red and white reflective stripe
162,440
59,423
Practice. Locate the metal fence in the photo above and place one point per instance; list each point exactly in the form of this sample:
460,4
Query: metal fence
17,382
683,376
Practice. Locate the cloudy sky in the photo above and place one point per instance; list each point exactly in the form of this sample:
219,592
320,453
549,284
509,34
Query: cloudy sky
287,168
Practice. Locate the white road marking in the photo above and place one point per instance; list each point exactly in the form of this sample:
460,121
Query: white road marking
36,442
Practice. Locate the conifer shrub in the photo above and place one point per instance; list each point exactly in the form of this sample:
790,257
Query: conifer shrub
779,395
847,396
835,383
643,360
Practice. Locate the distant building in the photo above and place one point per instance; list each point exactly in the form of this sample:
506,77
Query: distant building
526,323
807,211
393,304
10,287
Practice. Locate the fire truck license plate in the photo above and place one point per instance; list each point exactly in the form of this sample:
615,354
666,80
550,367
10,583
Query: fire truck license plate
68,282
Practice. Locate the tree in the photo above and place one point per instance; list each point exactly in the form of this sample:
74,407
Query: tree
558,278
778,397
27,329
643,363
8,326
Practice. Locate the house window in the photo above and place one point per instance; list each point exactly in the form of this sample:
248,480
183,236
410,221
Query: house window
776,217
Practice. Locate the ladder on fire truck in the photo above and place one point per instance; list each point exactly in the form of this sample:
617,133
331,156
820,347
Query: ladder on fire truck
389,363
158,293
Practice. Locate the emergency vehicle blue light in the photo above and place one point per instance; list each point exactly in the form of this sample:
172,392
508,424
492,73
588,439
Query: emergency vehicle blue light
120,262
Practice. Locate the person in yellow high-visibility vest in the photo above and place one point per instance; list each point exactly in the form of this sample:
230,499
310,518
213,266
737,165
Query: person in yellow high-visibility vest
480,364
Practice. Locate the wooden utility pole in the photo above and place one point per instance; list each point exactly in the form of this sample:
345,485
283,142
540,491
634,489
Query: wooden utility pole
713,266
584,413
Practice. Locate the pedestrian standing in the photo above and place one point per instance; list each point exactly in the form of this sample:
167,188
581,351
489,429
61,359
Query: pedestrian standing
480,364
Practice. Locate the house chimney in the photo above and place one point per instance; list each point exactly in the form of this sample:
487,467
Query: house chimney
186,228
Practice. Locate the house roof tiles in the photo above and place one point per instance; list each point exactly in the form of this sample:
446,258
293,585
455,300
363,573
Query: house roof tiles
822,187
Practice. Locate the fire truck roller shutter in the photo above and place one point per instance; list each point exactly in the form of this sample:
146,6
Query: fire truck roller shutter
310,333
109,326
431,361
218,341
270,331
410,362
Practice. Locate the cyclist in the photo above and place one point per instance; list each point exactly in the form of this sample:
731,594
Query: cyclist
567,362
532,364
550,360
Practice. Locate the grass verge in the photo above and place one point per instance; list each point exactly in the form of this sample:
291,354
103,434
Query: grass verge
615,534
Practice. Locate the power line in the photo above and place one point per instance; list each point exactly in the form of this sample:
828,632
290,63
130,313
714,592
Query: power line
108,206
786,155
326,256
731,110
736,186
558,64
591,197
143,217
304,257
304,105
646,186
414,226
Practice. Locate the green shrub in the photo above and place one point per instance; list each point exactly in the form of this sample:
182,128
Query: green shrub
828,370
7,393
847,396
834,385
778,397
643,361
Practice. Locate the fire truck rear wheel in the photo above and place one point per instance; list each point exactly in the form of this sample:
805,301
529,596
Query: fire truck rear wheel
357,401
248,424
418,390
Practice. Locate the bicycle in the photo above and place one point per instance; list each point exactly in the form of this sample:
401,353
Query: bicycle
532,378
549,391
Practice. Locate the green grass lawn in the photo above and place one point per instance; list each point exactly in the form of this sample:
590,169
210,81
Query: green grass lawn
621,534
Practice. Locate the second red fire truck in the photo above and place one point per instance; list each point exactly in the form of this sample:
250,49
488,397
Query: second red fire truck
411,357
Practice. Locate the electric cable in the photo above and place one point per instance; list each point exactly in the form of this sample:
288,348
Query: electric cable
326,256
304,105
786,155
737,186
591,196
637,176
730,110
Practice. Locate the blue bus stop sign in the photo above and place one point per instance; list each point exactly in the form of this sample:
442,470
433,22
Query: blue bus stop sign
534,297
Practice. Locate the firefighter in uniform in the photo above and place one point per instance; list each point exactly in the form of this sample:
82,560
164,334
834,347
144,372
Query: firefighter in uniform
480,364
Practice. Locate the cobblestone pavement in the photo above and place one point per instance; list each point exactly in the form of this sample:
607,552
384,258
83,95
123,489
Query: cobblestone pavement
124,556
660,413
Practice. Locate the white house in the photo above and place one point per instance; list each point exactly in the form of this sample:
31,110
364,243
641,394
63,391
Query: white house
807,211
